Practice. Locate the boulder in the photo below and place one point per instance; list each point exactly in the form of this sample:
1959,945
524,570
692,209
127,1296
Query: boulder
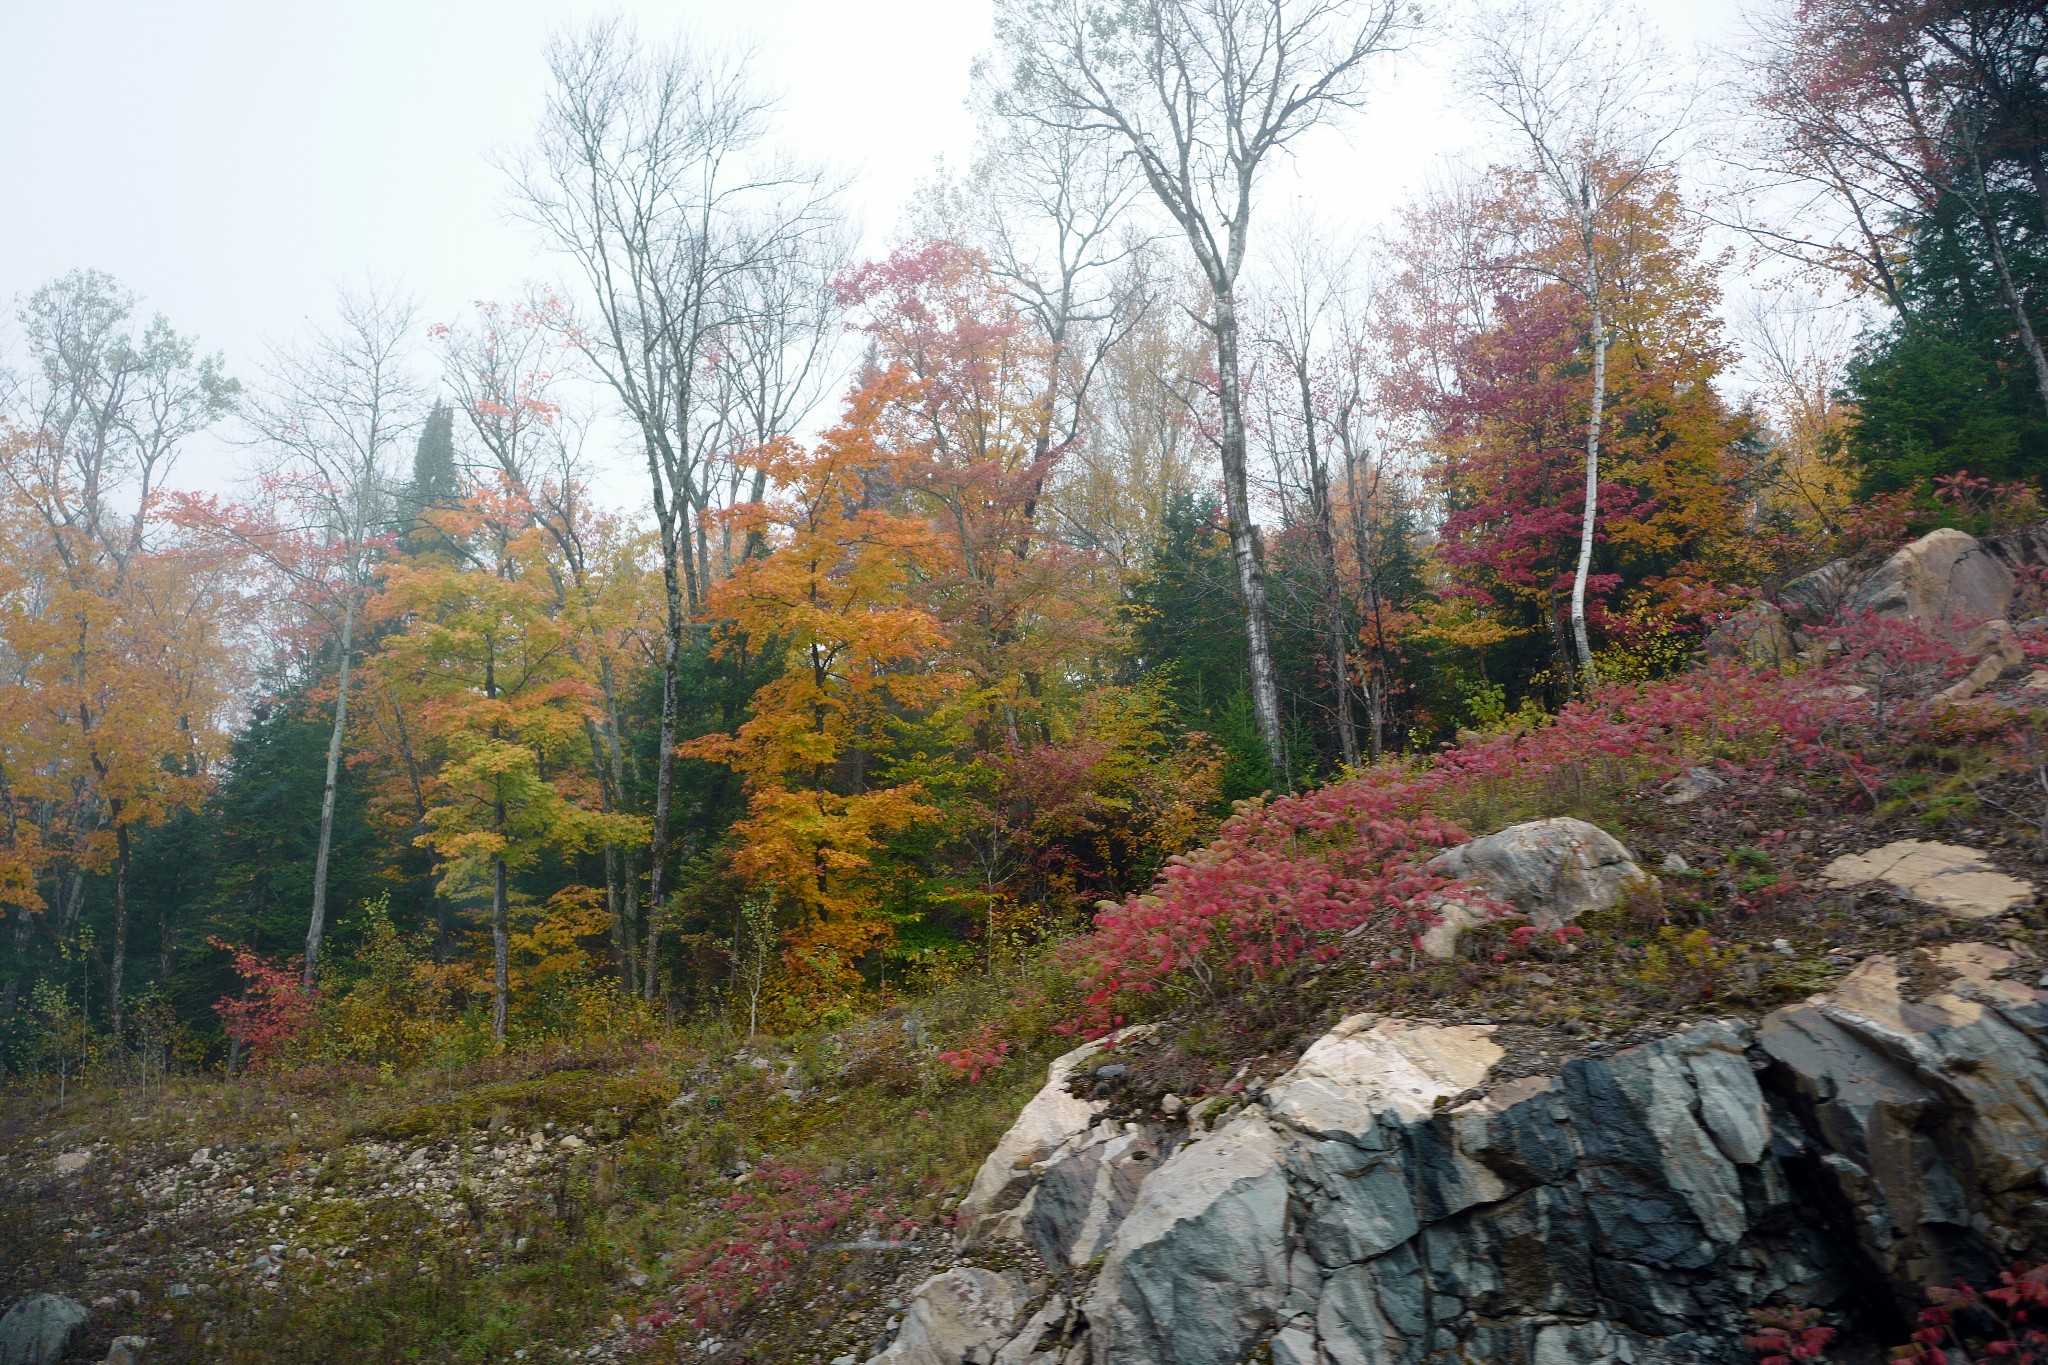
958,1317
1692,784
1552,871
2018,549
1820,595
37,1330
1944,577
1758,635
1945,876
1996,642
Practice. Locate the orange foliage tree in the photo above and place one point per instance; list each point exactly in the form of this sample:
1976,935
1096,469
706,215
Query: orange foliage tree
836,600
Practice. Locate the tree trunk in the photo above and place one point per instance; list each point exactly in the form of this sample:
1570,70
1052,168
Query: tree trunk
118,962
1369,583
501,985
1244,541
664,775
316,924
1333,590
1591,515
2030,340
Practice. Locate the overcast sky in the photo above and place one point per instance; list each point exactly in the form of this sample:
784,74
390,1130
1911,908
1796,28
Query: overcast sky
233,161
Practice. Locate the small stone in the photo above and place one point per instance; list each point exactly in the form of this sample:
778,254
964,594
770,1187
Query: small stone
1783,947
684,1100
178,1291
1674,862
126,1351
571,1141
1691,785
71,1163
199,1157
1111,1071
1172,1105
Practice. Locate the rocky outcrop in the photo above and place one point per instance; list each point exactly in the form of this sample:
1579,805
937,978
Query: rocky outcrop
1946,581
1388,1201
1944,576
1053,1119
38,1330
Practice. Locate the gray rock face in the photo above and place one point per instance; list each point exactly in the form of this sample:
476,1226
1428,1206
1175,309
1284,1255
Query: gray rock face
1200,1265
38,1329
1845,1152
1553,871
1759,635
1820,595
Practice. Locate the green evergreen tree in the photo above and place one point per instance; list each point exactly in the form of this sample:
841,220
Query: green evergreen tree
435,480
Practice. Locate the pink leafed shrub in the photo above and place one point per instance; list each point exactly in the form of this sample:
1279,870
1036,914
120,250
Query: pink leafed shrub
1287,879
272,1011
780,1219
981,1053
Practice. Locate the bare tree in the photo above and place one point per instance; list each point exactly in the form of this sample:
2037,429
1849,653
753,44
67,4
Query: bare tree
1055,218
1889,109
330,425
1584,97
1203,95
1305,303
648,175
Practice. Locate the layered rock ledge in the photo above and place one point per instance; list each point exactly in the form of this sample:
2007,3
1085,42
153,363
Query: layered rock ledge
1384,1202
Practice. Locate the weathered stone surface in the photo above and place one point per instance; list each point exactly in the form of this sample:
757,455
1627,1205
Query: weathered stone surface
1946,876
1759,635
1088,1187
1820,595
1553,871
965,1313
37,1330
1366,1071
126,1351
1692,784
1632,1207
1197,1272
1945,576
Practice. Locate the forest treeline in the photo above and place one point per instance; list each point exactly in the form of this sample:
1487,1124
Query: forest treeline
962,586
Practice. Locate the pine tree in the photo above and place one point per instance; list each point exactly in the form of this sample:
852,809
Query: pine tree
435,484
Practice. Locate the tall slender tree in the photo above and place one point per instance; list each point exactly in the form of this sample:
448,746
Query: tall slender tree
331,425
1202,96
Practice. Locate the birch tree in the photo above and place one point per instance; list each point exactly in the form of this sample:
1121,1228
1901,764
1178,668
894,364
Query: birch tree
331,426
1583,98
1203,97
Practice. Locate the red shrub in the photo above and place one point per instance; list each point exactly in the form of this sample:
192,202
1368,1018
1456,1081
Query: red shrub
273,1009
